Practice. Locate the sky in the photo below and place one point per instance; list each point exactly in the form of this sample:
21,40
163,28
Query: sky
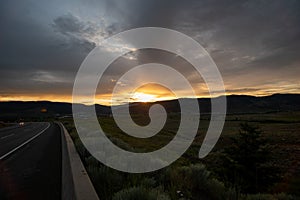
255,44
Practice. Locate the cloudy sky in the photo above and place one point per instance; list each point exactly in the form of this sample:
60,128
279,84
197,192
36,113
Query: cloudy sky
255,44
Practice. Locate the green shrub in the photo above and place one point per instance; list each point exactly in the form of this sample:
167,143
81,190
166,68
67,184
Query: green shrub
283,196
105,180
216,189
139,193
280,196
195,182
148,183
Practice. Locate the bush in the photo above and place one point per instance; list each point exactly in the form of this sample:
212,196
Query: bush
148,183
106,181
139,193
280,196
195,182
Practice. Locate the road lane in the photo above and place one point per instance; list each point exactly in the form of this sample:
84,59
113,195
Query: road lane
3,137
33,171
17,136
22,144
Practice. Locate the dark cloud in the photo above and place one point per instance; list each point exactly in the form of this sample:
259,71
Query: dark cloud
240,90
68,24
254,43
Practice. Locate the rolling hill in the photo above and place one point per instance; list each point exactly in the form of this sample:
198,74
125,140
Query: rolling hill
15,110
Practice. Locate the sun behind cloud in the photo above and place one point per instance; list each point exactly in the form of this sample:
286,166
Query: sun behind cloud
142,97
151,92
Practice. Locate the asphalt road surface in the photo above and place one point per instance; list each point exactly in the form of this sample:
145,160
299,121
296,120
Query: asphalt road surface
30,162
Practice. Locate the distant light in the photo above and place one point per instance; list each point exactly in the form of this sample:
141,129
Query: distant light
142,97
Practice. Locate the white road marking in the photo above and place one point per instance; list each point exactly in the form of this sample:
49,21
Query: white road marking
7,136
23,144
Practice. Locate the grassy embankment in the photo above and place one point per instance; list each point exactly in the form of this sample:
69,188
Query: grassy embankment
190,177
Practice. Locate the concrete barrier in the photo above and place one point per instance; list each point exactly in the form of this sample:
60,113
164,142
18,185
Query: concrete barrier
76,184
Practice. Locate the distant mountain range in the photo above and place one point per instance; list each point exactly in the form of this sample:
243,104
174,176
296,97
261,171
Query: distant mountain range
15,110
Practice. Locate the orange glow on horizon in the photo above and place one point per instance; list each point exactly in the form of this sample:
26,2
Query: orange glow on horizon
145,93
142,97
53,98
152,93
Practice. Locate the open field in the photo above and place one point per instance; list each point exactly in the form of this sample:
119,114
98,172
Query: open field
281,131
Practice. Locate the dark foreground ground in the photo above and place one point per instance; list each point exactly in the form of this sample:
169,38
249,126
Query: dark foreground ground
193,178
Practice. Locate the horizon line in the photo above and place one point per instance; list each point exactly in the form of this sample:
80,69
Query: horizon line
227,95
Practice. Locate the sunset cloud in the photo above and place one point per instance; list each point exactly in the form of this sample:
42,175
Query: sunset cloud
255,44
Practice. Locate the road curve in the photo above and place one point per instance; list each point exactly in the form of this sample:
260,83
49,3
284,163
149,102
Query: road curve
30,162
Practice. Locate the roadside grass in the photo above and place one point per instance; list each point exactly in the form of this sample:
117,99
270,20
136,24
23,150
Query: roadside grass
179,180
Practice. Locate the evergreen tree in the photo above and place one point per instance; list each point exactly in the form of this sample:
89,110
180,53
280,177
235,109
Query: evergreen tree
246,161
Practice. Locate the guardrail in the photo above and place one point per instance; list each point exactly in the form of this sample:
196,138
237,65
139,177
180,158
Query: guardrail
76,183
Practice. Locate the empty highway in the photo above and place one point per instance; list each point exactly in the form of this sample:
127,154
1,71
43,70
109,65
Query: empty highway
30,161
